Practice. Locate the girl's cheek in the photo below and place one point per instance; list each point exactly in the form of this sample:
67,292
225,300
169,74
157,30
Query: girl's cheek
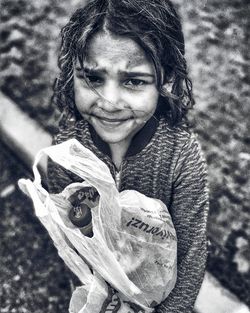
134,97
86,94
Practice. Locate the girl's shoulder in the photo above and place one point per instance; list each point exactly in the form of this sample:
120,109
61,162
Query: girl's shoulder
74,129
182,139
185,151
177,134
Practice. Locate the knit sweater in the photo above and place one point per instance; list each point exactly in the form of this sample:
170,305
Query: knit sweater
168,166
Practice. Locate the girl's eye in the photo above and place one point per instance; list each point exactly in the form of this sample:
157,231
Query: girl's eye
134,83
94,79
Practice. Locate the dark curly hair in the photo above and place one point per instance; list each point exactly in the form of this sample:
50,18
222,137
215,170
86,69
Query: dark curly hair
154,25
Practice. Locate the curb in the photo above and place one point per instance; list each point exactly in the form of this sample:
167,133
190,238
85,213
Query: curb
22,134
214,298
25,137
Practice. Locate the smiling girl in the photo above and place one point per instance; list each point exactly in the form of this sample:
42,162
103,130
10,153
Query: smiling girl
125,94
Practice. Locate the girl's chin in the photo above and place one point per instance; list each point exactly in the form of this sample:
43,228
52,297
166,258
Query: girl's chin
111,138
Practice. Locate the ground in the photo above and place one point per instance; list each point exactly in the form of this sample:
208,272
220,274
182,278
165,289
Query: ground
34,279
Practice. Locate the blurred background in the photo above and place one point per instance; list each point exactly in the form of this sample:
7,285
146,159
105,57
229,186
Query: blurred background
32,276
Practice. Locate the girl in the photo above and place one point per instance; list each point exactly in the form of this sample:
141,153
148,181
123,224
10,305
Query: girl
125,94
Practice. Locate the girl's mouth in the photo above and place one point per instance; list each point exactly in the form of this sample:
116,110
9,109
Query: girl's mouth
110,122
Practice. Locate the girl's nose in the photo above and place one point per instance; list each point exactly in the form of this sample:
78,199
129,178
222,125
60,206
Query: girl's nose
110,97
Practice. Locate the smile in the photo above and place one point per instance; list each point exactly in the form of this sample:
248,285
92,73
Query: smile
110,122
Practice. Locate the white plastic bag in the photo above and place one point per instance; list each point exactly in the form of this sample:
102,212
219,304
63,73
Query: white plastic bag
133,248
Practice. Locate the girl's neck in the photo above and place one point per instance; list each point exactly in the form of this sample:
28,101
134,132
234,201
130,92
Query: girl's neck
118,151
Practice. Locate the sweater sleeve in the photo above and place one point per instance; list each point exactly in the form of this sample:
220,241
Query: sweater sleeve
57,176
189,210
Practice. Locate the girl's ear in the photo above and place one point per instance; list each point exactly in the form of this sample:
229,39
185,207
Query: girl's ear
167,80
167,88
67,118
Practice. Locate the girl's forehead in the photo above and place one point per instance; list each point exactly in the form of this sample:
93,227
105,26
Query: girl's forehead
111,49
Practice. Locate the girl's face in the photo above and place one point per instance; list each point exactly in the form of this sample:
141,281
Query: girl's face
125,94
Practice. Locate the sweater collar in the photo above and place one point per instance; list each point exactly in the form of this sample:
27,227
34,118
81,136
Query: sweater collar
139,141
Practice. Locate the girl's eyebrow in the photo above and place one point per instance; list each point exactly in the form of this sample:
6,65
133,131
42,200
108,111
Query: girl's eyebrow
134,73
123,73
90,70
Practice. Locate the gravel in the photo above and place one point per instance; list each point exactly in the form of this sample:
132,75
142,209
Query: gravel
34,279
